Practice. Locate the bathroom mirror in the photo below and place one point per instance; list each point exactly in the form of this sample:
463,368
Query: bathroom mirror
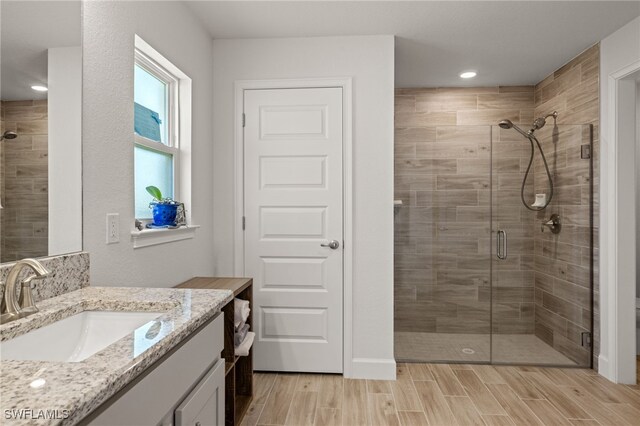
40,129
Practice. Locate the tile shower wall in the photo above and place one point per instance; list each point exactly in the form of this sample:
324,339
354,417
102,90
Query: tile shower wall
442,230
24,193
513,277
562,281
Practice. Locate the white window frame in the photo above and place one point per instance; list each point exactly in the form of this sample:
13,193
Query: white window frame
172,113
178,143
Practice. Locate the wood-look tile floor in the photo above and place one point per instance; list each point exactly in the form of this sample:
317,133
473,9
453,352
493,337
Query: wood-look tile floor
446,394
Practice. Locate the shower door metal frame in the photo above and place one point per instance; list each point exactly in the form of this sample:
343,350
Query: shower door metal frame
591,265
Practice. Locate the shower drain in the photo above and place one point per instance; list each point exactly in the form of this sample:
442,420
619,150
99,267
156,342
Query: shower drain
468,351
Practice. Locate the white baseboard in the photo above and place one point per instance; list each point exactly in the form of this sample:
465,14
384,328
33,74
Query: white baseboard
604,369
373,369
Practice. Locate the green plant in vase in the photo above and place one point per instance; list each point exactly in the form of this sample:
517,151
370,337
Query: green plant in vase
164,209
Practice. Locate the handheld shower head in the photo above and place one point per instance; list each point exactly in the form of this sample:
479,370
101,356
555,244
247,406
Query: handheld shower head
537,124
8,135
508,124
505,124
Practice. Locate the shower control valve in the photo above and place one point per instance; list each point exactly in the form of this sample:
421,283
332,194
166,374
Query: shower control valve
553,224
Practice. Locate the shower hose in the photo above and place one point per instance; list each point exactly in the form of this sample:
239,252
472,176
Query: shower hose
531,138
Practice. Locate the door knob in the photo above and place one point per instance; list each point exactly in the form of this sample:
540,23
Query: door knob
333,244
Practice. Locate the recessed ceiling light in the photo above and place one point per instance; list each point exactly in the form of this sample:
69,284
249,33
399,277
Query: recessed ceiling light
39,88
468,74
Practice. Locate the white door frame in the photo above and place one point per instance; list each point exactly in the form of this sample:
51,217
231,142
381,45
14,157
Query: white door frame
347,193
616,360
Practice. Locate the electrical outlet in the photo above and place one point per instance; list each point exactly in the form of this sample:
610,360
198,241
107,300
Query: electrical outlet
113,228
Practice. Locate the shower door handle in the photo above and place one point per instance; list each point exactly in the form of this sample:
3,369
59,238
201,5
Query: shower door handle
501,244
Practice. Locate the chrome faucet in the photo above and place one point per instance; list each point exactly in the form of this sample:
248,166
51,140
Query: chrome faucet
13,308
553,224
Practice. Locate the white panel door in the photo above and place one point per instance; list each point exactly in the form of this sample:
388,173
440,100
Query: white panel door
293,210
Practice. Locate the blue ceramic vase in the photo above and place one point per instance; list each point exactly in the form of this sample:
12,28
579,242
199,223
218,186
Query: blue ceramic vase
164,214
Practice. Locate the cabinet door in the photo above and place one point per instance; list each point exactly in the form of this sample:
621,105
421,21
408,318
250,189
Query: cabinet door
204,406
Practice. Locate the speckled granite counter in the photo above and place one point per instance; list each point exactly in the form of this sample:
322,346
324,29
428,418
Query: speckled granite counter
74,389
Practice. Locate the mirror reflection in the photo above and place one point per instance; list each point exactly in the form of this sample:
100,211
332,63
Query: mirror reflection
40,129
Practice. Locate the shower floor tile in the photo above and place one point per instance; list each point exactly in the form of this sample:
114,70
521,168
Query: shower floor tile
507,348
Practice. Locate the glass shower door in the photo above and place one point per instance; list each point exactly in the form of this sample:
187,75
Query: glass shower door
541,270
442,249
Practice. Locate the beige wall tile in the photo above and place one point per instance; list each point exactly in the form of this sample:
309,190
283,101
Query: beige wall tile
35,127
23,184
487,116
573,92
425,119
506,100
431,102
415,134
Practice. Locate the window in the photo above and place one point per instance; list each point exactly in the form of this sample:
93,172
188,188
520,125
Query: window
162,141
157,133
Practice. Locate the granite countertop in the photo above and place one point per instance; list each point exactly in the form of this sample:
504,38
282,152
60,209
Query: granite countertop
71,390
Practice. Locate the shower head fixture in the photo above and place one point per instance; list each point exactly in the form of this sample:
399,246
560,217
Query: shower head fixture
539,122
8,135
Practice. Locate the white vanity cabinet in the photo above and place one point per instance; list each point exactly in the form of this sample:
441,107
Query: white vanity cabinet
184,388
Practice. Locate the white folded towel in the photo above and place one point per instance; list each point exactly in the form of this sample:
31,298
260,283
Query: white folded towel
245,346
240,311
240,334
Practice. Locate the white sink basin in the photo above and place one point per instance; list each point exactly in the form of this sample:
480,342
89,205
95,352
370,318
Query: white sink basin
75,338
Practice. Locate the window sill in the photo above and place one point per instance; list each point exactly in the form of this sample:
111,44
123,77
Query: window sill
152,237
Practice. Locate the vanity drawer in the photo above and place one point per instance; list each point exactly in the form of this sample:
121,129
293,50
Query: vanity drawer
204,406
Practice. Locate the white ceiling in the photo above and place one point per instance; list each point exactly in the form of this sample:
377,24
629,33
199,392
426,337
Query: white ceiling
507,42
28,29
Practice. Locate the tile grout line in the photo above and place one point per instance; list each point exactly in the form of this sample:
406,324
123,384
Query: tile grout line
265,401
295,385
395,404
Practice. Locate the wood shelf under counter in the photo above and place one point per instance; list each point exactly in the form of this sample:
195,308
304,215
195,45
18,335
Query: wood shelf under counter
238,369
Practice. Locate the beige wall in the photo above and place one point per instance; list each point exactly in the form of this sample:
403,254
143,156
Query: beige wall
25,192
563,296
370,61
442,231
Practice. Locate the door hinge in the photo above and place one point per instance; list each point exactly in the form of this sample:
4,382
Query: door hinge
244,119
586,339
244,223
585,151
